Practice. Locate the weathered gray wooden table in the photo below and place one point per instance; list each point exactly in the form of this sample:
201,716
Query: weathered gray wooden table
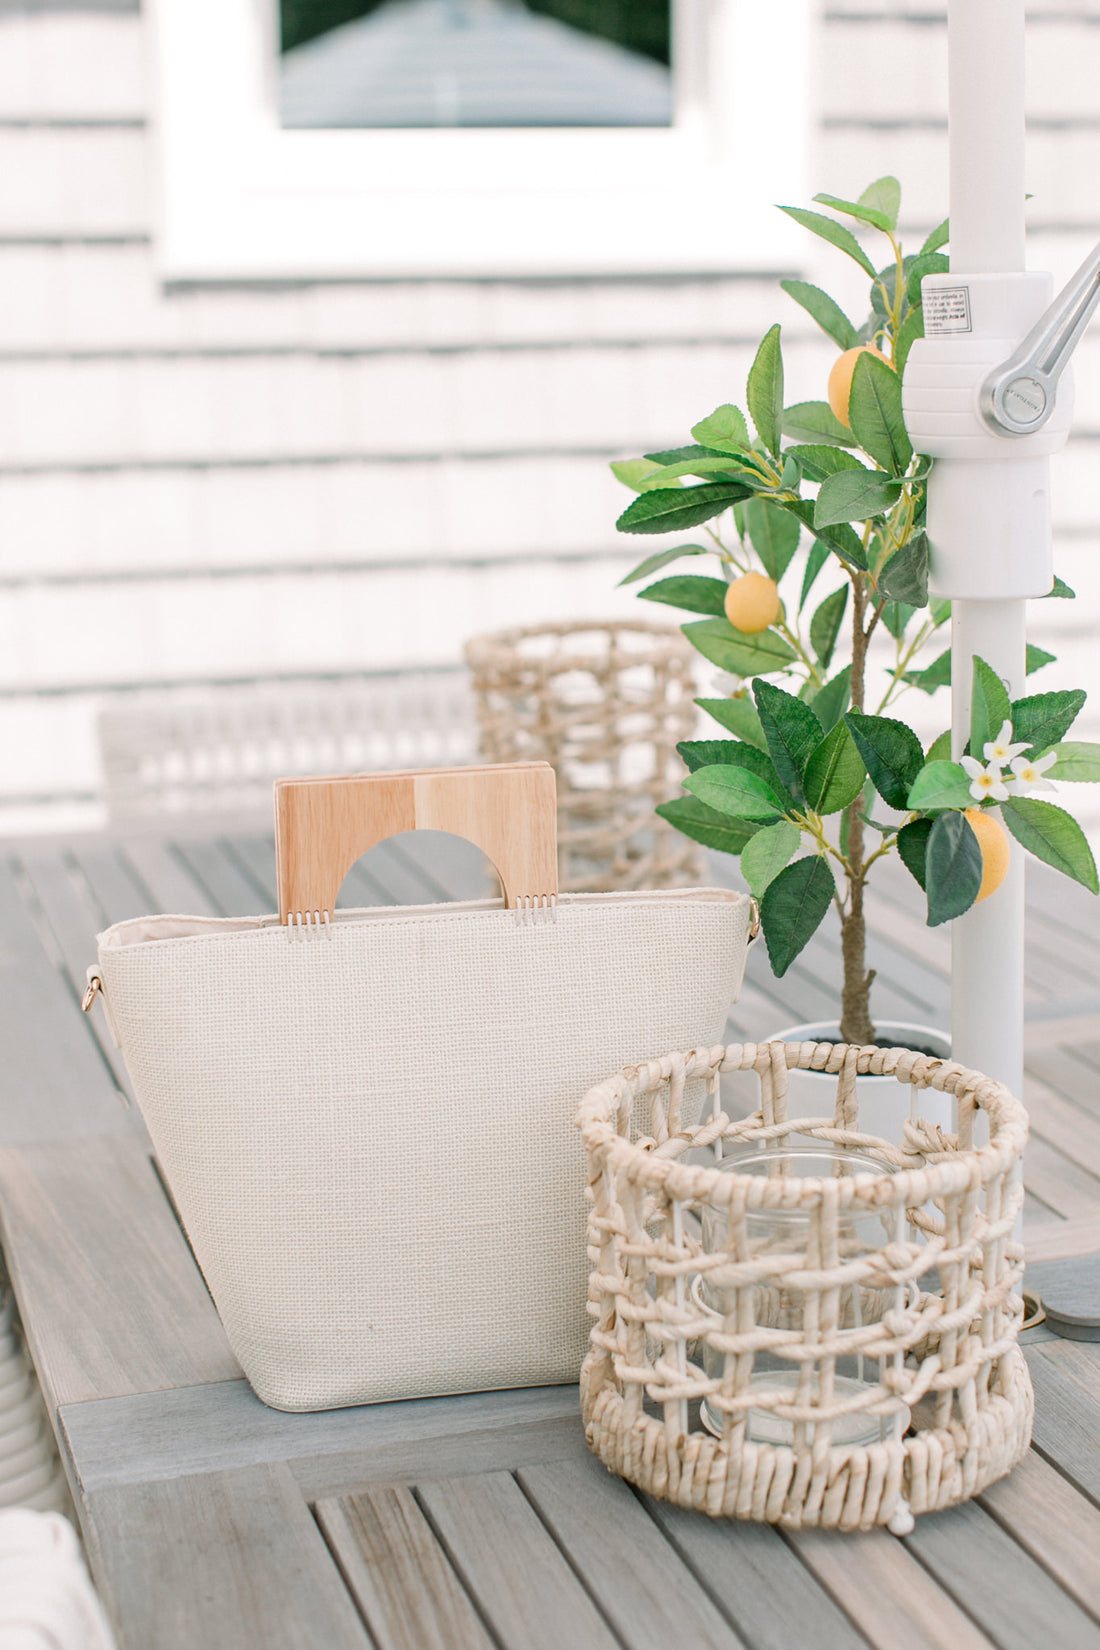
480,1520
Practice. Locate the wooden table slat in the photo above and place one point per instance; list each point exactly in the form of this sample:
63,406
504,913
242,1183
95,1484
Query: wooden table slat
54,1083
222,1561
86,1221
887,1592
1067,1418
454,868
775,1600
400,1577
118,893
221,1423
230,890
1057,1525
622,1557
67,904
255,855
525,1588
172,888
990,1576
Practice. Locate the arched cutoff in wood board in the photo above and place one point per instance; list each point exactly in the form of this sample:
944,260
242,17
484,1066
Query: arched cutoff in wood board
323,825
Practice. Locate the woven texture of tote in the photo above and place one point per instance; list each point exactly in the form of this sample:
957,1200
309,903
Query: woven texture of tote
369,1133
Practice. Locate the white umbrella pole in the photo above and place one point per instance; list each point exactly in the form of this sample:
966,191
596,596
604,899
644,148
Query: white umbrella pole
986,138
988,493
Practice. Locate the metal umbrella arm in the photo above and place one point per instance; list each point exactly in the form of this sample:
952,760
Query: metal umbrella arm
1018,396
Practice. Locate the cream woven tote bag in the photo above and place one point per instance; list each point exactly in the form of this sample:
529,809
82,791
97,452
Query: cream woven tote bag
366,1118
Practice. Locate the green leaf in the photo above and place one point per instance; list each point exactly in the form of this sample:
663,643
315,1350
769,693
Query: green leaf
940,785
1062,589
792,731
764,857
816,421
910,330
989,707
815,561
895,616
925,263
792,909
733,650
835,772
1077,762
824,310
905,576
939,610
673,509
734,790
633,472
1036,658
831,701
838,537
884,195
874,409
732,753
853,209
725,429
937,674
732,468
764,390
952,868
694,449
705,825
913,846
826,622
1052,836
939,237
653,564
892,753
817,462
940,748
855,495
774,533
690,591
833,232
738,716
1044,718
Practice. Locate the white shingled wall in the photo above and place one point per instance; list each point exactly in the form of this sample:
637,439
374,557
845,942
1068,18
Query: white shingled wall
209,483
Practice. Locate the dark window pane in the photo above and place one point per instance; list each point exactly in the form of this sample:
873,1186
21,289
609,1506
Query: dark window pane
475,63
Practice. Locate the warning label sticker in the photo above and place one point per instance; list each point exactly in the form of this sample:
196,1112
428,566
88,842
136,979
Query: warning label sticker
946,309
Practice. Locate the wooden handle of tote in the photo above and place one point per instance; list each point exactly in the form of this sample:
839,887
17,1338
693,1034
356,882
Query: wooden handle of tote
322,826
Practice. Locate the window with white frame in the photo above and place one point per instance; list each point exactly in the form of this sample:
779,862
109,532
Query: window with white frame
246,196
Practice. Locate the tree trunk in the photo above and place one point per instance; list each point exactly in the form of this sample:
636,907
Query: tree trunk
855,997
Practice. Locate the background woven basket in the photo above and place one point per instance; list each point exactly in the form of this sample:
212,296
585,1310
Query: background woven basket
946,1353
605,705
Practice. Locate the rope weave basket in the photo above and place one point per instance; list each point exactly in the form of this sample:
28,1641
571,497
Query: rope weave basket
605,705
945,1353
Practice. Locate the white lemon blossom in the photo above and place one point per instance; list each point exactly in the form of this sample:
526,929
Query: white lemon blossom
985,781
1027,773
1001,749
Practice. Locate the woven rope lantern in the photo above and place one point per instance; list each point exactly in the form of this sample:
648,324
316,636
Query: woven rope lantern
605,705
941,1371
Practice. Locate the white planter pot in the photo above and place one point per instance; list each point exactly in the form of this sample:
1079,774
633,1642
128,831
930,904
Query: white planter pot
884,1103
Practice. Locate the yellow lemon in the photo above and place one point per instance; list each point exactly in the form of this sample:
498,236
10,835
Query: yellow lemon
996,850
840,379
752,603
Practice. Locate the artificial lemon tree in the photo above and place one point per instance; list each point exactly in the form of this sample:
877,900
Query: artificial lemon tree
818,783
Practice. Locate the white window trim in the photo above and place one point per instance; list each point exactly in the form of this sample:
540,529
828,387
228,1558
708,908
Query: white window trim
241,198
